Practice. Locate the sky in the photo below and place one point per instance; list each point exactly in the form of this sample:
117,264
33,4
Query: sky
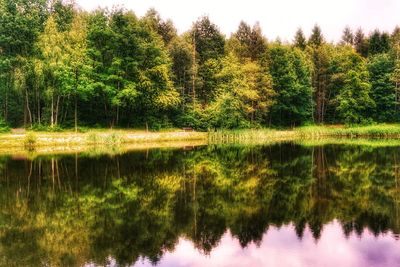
278,18
281,247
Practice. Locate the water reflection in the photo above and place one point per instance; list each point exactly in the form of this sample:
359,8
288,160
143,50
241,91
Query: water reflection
281,247
263,205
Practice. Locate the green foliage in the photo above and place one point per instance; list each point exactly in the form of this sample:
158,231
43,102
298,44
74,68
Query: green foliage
63,67
208,39
347,37
30,140
4,128
316,38
290,72
252,44
354,98
245,95
195,117
300,40
378,43
383,89
46,128
361,43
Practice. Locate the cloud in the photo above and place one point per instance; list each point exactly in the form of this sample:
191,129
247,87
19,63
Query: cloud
281,247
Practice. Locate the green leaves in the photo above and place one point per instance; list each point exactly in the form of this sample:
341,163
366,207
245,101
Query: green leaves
291,76
383,91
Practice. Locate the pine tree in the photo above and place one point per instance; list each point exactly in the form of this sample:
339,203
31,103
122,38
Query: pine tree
316,38
300,40
347,37
361,43
252,43
378,43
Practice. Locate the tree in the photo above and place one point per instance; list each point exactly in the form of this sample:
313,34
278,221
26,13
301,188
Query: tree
79,63
63,13
132,67
209,45
378,42
347,37
320,57
165,28
354,99
181,53
383,90
244,96
300,40
316,38
52,43
291,75
209,41
21,21
251,43
361,43
395,52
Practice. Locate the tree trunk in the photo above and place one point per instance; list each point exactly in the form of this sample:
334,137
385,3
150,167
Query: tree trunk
117,119
76,114
52,110
56,113
38,106
27,106
194,69
6,106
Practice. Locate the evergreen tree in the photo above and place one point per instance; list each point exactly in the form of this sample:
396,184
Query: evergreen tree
252,44
378,43
209,41
361,43
164,28
316,38
347,37
209,44
300,40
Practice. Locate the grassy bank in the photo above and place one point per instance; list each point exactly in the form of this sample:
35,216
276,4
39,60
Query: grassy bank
307,132
71,141
378,130
112,138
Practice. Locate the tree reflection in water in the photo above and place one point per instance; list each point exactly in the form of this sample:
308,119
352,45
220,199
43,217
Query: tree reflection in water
75,209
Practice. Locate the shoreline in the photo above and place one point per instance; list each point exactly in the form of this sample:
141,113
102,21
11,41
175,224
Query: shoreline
125,140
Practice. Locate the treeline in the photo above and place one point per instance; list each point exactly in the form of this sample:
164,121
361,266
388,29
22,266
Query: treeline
63,67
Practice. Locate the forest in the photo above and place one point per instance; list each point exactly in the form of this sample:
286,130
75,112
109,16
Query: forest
63,67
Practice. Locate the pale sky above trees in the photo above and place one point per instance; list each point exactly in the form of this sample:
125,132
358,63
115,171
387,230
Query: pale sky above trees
277,17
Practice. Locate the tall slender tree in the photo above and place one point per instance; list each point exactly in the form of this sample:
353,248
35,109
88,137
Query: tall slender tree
347,37
300,40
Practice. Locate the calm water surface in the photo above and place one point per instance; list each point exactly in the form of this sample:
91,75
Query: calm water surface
274,205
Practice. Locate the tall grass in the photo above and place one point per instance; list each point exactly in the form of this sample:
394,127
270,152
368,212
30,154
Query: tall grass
249,136
306,132
378,130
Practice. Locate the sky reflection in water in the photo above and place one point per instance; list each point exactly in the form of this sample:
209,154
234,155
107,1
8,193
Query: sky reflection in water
209,206
282,247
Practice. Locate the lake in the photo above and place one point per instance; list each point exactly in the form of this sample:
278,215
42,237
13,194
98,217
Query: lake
285,204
